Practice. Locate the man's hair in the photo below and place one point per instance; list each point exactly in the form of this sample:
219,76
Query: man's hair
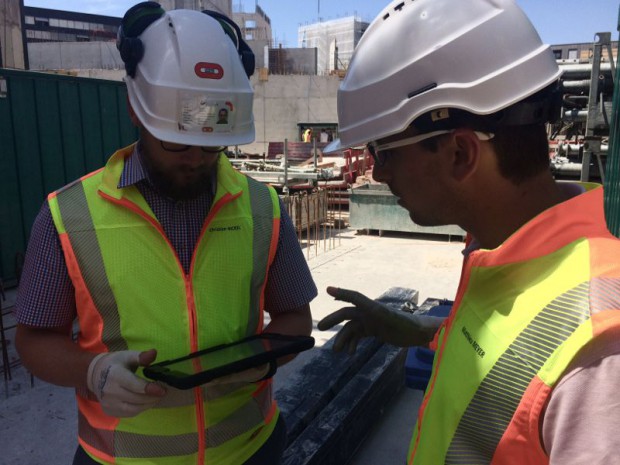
522,151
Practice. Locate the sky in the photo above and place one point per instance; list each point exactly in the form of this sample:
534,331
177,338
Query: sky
557,21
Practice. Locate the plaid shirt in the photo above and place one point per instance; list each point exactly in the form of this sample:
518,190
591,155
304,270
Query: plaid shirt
46,297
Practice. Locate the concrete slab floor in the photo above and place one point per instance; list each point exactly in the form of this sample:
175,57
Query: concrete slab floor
38,424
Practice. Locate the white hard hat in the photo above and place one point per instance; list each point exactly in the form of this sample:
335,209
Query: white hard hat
188,71
421,55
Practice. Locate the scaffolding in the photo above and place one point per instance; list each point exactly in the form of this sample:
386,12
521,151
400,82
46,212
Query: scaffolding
338,36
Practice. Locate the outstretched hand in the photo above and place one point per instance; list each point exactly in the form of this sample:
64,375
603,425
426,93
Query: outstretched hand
367,318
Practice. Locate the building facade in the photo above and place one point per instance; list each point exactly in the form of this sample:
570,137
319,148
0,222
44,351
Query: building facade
334,40
221,6
254,25
580,53
256,31
47,25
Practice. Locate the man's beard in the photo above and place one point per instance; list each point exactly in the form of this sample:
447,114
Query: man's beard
166,184
186,191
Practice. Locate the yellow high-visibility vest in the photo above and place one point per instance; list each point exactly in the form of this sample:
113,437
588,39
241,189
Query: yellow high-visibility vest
133,294
522,313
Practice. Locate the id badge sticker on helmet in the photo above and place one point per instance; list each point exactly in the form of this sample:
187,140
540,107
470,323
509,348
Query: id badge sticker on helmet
199,113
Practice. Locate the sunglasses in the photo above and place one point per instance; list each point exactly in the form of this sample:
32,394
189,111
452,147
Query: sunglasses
381,152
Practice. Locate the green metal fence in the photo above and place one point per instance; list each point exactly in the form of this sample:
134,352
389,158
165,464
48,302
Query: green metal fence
53,129
612,177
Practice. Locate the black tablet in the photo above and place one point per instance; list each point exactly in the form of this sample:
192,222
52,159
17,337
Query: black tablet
206,365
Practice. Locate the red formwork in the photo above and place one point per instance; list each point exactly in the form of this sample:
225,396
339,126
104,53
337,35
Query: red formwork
357,161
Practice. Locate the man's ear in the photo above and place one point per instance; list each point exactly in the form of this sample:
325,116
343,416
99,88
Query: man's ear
467,152
132,115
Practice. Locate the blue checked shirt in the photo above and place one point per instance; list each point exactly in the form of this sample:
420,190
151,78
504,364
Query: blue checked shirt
45,296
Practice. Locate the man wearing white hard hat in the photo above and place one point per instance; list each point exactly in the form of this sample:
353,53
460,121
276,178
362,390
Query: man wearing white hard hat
451,98
165,251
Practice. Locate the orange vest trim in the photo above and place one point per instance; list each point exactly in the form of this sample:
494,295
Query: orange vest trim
514,442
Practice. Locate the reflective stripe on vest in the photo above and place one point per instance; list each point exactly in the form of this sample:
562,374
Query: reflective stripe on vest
496,400
133,445
83,238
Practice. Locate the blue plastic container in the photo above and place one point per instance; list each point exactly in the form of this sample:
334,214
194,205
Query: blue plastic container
419,361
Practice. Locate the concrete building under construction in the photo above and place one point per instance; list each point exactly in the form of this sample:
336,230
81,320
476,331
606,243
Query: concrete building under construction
334,40
221,6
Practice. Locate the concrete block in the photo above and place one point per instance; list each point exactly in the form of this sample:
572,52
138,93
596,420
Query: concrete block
340,428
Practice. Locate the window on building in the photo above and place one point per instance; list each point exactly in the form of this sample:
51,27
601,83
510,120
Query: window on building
557,53
249,36
42,22
29,19
62,23
54,22
573,54
250,24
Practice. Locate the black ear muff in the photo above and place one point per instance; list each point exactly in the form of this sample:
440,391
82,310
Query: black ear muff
135,21
132,51
247,58
232,30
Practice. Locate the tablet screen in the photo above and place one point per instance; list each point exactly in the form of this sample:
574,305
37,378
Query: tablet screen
225,356
201,367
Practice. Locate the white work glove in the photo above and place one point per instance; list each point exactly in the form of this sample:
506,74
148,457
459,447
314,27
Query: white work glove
369,318
121,393
251,375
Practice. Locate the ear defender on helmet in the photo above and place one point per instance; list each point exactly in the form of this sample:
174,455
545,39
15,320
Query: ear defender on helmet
135,21
232,30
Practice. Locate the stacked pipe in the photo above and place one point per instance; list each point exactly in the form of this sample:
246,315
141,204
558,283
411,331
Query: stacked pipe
576,82
586,112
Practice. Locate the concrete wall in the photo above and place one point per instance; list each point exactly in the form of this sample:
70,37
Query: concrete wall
74,55
109,74
11,39
281,102
258,47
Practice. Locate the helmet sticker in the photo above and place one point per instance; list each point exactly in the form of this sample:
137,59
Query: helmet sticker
201,113
206,70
